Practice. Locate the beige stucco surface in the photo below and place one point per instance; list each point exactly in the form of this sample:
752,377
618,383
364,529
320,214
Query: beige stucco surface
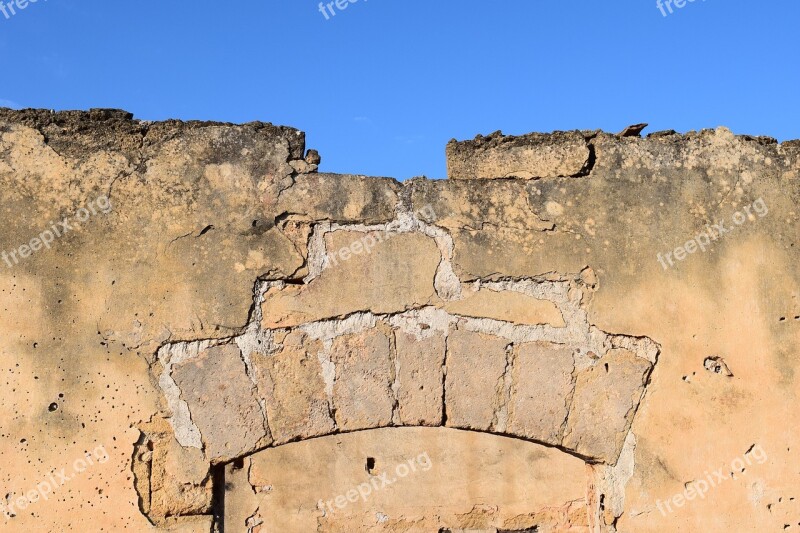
200,320
420,482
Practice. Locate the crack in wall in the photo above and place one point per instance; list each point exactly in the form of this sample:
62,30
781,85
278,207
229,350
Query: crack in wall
395,378
591,161
186,432
328,371
504,385
610,483
257,340
570,396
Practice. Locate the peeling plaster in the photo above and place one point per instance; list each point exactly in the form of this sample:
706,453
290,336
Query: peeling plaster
186,432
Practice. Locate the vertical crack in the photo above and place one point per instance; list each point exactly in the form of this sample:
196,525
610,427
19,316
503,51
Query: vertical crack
501,414
444,381
142,467
218,497
329,377
395,378
590,161
570,397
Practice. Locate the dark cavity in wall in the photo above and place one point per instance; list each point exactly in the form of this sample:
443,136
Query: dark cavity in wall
218,497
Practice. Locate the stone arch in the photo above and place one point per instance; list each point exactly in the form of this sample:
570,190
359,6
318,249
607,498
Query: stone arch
546,376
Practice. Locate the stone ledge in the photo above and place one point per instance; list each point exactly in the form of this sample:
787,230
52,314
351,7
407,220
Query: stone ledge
535,155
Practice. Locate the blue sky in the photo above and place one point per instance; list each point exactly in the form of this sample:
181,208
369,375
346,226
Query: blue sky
384,84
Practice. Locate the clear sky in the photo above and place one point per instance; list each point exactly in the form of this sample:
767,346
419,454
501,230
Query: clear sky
381,86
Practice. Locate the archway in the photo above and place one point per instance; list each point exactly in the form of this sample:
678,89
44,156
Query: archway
553,380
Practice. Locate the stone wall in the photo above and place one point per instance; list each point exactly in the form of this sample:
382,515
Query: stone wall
201,332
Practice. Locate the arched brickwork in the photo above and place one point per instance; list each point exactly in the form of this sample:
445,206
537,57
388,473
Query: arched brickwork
516,358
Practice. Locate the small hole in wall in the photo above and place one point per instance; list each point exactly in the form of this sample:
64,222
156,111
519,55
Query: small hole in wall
370,465
602,502
52,407
238,464
255,223
606,365
150,445
9,513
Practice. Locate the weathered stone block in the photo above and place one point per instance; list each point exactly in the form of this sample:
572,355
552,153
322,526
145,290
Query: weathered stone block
380,280
512,307
541,391
340,198
516,228
420,379
222,402
474,390
489,204
518,253
606,397
292,385
535,155
180,481
717,154
362,392
170,479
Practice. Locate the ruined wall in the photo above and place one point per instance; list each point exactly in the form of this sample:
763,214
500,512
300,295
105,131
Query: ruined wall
576,332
